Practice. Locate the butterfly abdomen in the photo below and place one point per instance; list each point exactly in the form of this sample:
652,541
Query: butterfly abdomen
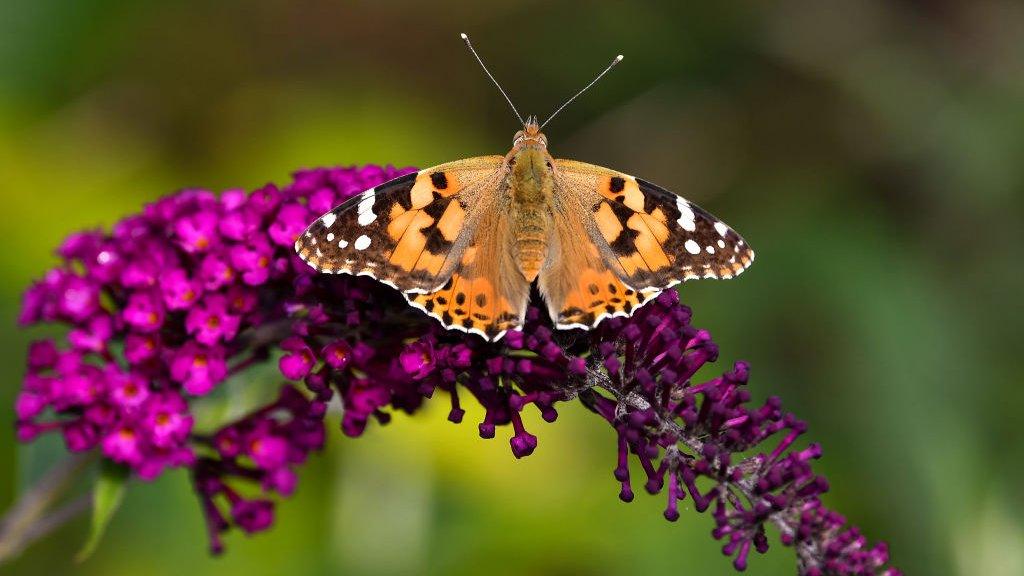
532,188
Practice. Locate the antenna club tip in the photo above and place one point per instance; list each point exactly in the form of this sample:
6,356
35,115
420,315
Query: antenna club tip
619,58
463,36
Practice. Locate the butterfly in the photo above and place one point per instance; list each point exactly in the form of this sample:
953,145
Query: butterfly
465,241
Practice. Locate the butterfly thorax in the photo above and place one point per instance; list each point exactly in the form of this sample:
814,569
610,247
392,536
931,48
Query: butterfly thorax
531,190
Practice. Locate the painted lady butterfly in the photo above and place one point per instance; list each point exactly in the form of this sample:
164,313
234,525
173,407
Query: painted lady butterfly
464,241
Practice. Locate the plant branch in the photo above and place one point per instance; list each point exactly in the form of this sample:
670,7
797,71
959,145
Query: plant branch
29,519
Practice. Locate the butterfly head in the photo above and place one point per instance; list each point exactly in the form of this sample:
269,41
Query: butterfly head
530,135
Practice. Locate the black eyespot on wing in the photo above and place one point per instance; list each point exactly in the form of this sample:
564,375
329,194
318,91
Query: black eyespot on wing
436,243
395,191
439,180
655,196
625,243
436,207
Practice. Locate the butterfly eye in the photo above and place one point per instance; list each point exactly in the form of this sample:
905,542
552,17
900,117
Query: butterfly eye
517,138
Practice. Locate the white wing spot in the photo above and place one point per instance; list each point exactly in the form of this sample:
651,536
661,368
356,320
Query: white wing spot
366,215
721,243
692,247
366,218
685,216
710,249
721,228
362,243
330,236
343,244
329,219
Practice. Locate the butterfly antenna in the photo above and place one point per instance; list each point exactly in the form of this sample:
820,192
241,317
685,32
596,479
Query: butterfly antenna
585,88
491,76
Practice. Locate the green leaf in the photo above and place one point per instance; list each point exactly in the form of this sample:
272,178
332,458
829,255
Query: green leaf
106,498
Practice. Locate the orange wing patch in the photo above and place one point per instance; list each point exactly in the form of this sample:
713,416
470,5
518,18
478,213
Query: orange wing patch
471,303
599,294
635,238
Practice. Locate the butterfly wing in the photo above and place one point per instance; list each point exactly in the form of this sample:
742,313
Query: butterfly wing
440,236
409,232
644,236
580,289
486,294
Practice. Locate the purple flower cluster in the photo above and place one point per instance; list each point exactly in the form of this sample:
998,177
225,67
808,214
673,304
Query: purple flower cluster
164,308
199,288
263,447
684,433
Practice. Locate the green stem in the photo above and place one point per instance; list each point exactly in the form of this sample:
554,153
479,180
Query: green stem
31,518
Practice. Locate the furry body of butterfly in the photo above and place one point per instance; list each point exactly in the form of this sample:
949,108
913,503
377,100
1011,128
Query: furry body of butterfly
532,192
464,241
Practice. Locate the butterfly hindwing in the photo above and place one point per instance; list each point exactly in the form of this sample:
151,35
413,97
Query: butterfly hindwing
408,232
652,238
578,286
486,294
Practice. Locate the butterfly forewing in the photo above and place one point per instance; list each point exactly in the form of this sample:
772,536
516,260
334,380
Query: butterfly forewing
409,232
652,238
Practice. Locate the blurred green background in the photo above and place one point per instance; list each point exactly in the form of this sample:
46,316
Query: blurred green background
870,151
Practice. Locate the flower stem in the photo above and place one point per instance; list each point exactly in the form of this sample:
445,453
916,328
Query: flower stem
31,518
